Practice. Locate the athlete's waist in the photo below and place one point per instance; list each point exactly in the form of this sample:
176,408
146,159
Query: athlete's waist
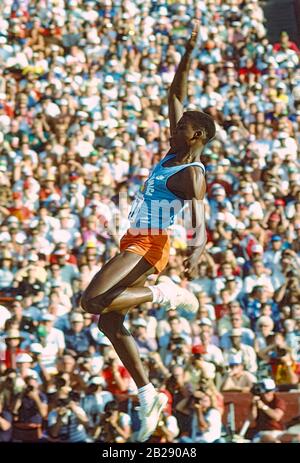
147,231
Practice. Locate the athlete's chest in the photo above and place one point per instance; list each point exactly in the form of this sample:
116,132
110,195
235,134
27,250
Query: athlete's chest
162,180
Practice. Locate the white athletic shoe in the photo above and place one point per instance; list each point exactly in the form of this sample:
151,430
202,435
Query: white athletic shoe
176,296
186,300
150,416
168,293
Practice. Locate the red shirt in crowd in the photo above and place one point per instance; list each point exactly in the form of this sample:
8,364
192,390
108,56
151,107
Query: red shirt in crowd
110,381
10,357
264,422
291,46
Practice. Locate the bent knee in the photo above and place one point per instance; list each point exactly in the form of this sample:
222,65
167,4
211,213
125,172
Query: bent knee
111,324
94,305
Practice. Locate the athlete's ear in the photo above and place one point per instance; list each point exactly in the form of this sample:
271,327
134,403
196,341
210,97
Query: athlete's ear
201,133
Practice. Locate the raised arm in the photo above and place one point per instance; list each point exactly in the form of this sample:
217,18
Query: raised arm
178,89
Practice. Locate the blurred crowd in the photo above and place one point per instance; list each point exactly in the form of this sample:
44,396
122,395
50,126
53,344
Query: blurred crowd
83,118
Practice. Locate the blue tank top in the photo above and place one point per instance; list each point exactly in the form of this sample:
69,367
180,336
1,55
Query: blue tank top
155,206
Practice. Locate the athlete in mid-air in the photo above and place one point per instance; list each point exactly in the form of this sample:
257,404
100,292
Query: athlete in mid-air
119,285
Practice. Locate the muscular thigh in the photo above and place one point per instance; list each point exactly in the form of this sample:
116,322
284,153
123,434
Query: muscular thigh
124,270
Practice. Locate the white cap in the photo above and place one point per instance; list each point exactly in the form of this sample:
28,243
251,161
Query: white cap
240,226
98,380
247,189
47,317
265,320
141,141
76,317
269,384
236,332
258,248
139,322
23,358
109,80
235,359
205,321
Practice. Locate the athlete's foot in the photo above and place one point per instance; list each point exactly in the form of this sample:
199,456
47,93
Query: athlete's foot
149,416
168,294
174,296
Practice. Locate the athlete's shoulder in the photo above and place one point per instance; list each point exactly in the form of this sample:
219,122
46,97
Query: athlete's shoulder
194,182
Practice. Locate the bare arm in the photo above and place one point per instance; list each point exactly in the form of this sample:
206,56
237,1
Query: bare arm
194,192
178,89
5,425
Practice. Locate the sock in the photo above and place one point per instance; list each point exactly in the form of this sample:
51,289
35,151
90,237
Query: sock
146,394
157,294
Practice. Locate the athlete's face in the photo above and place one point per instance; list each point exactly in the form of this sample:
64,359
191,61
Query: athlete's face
184,134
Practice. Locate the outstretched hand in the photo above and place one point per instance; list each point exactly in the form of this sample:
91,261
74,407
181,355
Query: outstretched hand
193,39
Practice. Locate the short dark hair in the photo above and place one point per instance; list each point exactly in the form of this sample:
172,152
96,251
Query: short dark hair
202,120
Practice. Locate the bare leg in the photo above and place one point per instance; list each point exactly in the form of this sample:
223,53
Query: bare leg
114,288
112,325
112,284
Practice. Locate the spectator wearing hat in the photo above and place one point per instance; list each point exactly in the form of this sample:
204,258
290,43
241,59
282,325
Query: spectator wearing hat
55,280
199,368
284,368
116,377
12,349
144,343
68,272
285,43
275,223
178,349
246,333
246,352
231,286
259,276
173,327
218,196
31,284
52,340
157,371
93,402
264,329
212,353
67,368
207,422
143,311
115,425
237,379
39,272
224,322
203,282
267,410
24,367
226,270
67,422
272,256
78,338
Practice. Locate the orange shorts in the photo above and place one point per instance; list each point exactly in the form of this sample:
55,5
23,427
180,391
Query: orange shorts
155,248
